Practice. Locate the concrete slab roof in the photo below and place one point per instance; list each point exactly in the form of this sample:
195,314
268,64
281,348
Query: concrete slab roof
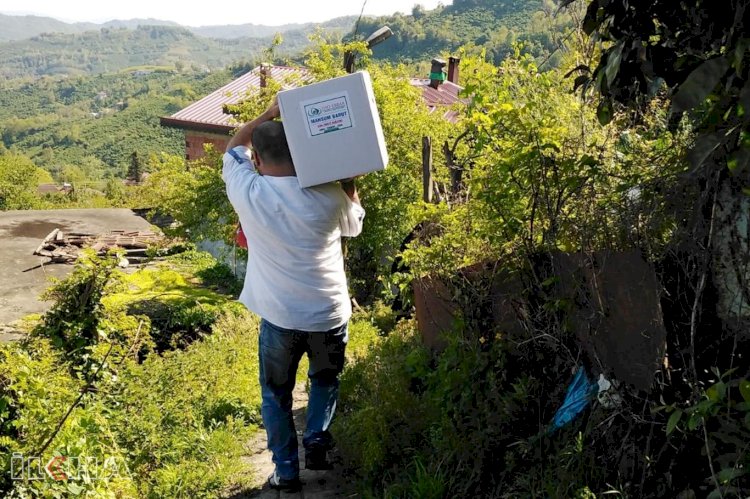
23,276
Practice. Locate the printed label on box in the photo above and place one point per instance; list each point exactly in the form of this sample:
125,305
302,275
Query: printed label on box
327,115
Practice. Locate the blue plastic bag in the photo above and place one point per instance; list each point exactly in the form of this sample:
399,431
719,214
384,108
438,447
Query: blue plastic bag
579,395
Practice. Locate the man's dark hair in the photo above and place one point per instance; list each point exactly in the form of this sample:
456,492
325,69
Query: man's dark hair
269,141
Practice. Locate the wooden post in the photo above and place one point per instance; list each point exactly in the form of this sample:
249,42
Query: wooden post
427,169
455,171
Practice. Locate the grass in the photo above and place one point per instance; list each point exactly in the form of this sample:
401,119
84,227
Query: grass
175,420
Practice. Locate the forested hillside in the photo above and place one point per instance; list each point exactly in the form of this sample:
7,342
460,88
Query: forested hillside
87,128
114,49
21,27
495,26
110,50
25,27
492,25
250,30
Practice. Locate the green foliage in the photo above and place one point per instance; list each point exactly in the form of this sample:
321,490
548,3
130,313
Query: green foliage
19,178
376,401
694,49
363,334
492,26
179,310
193,193
185,425
112,49
409,418
536,164
77,322
169,425
41,46
87,128
721,419
467,422
37,391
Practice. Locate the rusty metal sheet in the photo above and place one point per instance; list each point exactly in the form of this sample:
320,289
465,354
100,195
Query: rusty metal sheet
614,311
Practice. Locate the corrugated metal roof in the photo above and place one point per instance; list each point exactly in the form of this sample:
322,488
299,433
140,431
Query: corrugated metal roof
208,112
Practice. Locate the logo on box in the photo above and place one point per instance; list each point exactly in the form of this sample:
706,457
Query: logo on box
328,115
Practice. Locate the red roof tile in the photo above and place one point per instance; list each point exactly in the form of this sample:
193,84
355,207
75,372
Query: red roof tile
48,188
445,95
208,113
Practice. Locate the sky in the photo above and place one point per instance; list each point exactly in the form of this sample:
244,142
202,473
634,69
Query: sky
203,13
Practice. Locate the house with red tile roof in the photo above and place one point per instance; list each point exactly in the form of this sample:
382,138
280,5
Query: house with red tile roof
208,121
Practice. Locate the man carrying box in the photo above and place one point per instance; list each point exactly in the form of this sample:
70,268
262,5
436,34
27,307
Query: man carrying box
295,282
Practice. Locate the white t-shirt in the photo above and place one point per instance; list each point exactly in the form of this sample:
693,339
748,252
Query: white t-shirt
295,269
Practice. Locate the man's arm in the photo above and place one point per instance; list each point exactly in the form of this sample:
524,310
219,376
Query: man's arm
352,214
244,135
238,173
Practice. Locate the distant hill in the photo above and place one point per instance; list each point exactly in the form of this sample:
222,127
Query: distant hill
21,27
114,49
111,49
134,23
97,121
493,25
16,28
262,31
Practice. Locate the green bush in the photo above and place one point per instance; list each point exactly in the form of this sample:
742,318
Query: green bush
37,391
464,423
474,421
381,417
185,415
169,424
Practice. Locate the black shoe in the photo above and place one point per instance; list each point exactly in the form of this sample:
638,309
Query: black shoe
316,458
285,485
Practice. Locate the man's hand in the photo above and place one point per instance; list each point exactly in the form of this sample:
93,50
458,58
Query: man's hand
244,134
273,110
350,188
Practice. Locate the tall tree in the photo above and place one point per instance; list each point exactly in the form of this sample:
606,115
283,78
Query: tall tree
135,170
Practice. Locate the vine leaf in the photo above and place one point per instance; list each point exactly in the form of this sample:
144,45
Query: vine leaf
739,162
604,111
704,147
590,21
613,63
673,420
699,84
745,390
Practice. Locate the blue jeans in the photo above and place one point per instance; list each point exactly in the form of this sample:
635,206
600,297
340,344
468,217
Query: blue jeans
280,351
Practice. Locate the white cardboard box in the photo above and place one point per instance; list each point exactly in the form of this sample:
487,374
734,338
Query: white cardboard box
333,129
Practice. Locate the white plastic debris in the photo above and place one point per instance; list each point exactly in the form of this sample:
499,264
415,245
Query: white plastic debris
608,396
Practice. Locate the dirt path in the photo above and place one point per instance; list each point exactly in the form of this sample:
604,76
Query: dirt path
317,484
